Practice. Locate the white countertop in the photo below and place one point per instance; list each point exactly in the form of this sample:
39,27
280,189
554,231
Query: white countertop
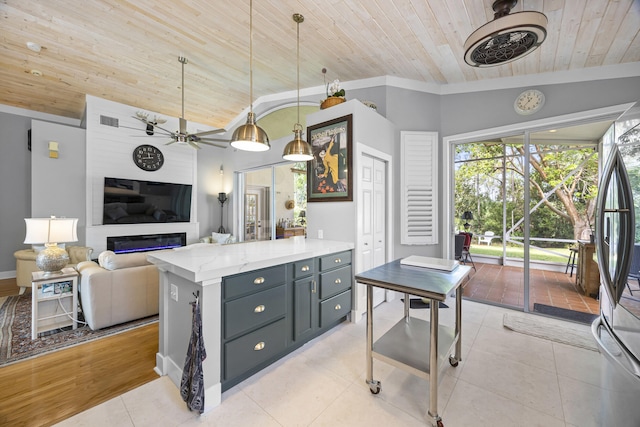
204,261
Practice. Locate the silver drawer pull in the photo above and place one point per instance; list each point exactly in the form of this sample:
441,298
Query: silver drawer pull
314,288
338,281
337,260
338,306
305,268
259,346
259,309
258,281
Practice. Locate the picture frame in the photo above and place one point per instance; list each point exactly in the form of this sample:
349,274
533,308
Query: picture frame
329,174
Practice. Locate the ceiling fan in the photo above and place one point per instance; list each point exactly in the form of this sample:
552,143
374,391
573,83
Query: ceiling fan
182,136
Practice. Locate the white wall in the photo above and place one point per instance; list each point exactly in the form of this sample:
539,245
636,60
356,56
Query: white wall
110,154
337,220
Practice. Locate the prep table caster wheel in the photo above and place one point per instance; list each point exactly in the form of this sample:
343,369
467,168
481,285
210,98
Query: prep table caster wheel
440,423
375,387
453,361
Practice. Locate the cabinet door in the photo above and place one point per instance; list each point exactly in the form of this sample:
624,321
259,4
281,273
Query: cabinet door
305,303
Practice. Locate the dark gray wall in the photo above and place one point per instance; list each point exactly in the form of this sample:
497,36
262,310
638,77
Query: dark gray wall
15,187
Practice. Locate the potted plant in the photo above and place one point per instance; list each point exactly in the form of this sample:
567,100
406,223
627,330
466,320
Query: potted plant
335,94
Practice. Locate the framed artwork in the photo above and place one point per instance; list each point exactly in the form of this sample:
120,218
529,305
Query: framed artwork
329,175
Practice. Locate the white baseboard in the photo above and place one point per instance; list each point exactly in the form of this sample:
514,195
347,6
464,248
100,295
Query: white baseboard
7,274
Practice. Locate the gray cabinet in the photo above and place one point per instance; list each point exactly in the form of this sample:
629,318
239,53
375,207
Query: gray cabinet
335,279
305,299
270,312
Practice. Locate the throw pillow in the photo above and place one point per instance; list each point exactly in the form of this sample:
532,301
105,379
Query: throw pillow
116,213
220,238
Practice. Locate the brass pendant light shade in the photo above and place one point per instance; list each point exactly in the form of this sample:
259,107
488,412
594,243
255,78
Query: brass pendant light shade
250,136
298,150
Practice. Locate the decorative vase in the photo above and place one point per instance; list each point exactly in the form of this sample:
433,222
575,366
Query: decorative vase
331,101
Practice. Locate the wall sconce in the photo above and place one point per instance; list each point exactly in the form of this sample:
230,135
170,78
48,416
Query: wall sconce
467,216
222,198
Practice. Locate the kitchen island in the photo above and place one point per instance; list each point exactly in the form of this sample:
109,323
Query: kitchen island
301,288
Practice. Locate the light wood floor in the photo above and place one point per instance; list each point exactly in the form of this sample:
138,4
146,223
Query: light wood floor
52,387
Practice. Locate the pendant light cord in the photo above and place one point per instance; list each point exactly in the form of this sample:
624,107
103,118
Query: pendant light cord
251,55
298,61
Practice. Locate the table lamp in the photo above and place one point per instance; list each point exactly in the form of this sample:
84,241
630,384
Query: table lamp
50,232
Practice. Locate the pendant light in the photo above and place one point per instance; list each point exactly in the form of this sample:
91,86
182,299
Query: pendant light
250,136
298,150
507,38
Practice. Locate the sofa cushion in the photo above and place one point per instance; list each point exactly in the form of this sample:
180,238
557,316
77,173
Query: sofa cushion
109,260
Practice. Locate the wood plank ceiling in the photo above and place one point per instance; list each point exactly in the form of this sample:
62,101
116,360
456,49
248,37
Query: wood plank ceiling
127,50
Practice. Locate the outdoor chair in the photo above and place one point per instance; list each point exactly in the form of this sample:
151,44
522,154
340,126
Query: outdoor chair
487,237
462,245
571,262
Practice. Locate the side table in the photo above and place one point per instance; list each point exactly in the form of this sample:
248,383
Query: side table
54,301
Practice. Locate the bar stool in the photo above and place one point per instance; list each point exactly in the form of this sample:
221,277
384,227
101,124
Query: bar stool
571,262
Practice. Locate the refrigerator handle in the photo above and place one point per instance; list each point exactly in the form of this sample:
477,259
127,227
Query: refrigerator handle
596,327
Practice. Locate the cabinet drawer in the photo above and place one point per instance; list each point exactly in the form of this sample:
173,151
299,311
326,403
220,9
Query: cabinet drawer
335,281
303,268
252,281
250,350
334,308
335,260
244,313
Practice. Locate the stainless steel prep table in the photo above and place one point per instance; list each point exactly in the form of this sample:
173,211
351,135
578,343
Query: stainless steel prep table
413,344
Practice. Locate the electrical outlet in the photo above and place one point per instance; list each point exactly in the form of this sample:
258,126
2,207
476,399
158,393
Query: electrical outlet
174,292
320,234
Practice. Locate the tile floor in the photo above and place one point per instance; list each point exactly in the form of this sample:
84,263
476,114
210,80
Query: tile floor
504,379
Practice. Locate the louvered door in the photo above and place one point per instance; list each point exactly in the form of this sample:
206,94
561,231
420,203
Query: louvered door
419,186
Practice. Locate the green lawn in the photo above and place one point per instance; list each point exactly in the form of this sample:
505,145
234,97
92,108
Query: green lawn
518,252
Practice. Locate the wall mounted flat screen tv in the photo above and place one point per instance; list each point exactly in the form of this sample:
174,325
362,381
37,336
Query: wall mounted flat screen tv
132,201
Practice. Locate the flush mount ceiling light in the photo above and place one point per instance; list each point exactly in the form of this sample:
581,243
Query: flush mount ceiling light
298,150
506,38
250,136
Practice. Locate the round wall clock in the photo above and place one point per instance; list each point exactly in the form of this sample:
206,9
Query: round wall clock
148,157
529,102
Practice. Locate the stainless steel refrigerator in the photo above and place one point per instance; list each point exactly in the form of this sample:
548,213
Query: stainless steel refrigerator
617,329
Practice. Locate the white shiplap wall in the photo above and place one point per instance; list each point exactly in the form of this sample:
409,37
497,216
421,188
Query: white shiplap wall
110,154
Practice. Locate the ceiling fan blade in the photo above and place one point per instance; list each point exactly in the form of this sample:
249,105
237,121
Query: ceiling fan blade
147,122
210,132
193,144
165,130
171,142
212,144
211,139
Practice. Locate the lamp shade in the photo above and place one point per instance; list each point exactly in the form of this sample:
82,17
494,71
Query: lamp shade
298,150
250,136
51,230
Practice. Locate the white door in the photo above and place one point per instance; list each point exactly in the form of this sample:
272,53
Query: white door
372,240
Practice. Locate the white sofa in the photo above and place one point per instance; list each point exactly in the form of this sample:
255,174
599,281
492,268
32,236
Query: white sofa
117,289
